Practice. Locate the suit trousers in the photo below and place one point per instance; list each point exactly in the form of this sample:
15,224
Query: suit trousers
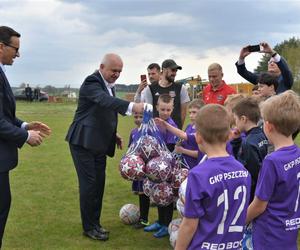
5,200
90,167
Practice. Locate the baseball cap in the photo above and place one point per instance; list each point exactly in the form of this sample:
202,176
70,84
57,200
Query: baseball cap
169,63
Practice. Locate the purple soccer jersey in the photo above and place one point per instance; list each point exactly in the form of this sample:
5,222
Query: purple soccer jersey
190,144
133,133
218,192
279,184
191,139
166,135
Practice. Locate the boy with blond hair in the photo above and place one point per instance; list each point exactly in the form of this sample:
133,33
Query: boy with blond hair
218,189
165,105
275,210
189,148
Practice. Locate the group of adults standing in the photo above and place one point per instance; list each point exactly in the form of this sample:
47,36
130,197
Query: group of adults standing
93,135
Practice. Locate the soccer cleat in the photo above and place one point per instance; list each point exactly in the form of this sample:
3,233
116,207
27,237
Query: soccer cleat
153,227
162,232
141,224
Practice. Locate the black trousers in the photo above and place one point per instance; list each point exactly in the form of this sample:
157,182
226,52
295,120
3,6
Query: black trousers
90,167
5,200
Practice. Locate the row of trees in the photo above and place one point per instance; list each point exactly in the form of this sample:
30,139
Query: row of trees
290,50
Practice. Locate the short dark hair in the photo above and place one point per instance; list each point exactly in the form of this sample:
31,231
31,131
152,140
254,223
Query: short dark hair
6,33
268,79
154,66
248,107
165,98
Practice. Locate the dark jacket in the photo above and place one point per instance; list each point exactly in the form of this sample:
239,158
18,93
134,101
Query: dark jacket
285,80
95,122
12,136
251,151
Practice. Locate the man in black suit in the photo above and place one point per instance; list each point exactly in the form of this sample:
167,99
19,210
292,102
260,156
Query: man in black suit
13,131
92,137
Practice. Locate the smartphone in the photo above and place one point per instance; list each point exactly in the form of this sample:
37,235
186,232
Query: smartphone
143,78
254,48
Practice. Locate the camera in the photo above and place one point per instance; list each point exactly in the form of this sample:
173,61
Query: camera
254,48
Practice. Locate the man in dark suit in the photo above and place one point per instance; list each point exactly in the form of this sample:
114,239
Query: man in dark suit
277,66
13,131
92,137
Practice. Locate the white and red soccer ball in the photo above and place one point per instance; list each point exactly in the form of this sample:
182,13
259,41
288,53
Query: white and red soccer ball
179,175
174,225
129,214
148,147
132,167
158,169
162,194
147,186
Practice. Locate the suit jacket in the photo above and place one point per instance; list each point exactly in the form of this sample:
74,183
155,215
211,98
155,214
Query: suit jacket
12,136
285,80
95,122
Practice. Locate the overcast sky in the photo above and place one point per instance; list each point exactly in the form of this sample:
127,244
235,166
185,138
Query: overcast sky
64,41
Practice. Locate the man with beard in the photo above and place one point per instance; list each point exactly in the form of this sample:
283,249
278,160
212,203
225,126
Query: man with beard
166,85
153,75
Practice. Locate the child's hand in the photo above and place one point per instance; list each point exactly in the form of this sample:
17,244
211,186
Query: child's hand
178,149
160,122
235,133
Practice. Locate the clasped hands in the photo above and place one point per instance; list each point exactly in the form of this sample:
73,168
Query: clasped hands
37,132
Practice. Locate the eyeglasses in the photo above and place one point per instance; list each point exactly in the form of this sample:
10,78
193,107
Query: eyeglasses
8,45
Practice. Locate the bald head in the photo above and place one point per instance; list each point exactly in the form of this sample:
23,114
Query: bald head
111,67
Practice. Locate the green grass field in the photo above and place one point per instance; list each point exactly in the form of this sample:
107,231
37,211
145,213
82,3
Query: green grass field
45,208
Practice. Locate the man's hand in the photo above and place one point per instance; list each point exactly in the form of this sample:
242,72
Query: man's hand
142,85
267,48
35,138
119,142
244,52
39,126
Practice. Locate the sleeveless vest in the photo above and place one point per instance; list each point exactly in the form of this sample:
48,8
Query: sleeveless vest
174,91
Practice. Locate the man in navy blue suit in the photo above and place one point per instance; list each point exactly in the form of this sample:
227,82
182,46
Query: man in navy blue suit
277,66
93,136
13,131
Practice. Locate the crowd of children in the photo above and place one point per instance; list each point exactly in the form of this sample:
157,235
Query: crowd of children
241,182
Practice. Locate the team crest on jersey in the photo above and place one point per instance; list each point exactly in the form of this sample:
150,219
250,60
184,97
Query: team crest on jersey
172,93
220,97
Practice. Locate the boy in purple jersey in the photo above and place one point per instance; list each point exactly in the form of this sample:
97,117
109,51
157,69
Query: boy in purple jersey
218,189
137,186
275,210
164,107
230,102
252,149
189,148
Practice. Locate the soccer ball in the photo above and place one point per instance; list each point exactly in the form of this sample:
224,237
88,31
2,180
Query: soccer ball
148,147
147,186
158,169
174,225
162,194
180,207
179,175
173,238
182,190
129,214
132,167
